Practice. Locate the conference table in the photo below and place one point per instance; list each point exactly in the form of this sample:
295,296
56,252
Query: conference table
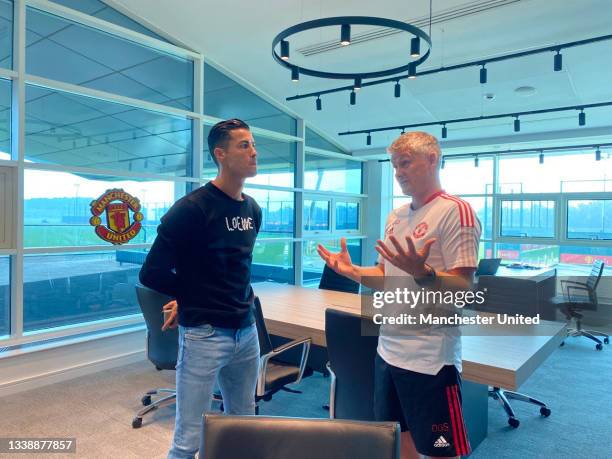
489,358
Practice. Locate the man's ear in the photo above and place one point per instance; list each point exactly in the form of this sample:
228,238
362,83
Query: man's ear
219,153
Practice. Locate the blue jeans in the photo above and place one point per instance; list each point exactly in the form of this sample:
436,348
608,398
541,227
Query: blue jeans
205,354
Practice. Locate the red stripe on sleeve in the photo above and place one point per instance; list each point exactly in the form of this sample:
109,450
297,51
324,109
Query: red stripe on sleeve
461,211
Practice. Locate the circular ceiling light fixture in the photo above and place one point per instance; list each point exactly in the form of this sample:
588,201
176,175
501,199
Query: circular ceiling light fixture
345,23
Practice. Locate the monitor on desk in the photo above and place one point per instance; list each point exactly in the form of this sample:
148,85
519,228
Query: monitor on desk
488,266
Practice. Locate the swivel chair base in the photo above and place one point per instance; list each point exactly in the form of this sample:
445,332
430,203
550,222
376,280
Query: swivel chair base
149,405
502,395
591,334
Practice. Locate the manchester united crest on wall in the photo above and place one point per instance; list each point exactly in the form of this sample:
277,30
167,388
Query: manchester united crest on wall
118,206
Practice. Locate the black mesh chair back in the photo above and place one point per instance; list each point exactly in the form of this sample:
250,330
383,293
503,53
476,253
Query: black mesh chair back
331,280
351,357
162,346
593,279
265,344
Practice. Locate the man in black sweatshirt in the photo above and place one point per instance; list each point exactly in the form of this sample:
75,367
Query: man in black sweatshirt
202,256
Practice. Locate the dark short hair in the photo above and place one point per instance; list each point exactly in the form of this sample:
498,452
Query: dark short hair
220,134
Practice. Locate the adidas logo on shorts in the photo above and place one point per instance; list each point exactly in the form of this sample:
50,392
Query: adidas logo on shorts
441,442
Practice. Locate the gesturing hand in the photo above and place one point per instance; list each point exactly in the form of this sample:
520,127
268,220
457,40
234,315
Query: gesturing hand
339,262
409,260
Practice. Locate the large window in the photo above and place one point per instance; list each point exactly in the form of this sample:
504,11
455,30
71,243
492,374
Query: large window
332,174
461,176
526,218
6,28
312,262
5,295
347,215
277,210
316,215
63,50
275,161
571,172
316,141
73,130
273,261
225,98
589,219
5,119
57,207
67,288
100,10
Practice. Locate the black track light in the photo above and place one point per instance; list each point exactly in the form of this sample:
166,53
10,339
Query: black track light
541,157
442,163
345,34
397,90
597,154
415,47
558,61
295,74
369,139
475,161
319,104
357,84
403,131
581,118
412,71
483,74
517,124
444,131
284,50
353,97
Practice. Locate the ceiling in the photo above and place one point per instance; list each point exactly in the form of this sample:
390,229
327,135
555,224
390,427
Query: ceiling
237,35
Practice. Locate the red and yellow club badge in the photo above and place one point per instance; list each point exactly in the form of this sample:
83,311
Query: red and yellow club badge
117,205
420,230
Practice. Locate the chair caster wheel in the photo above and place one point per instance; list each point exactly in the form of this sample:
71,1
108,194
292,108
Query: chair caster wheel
514,423
146,400
606,340
545,411
136,423
562,344
598,346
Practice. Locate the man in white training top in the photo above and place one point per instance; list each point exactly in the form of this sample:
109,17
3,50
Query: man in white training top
430,242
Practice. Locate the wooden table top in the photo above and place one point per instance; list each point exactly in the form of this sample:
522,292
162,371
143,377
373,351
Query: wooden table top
505,361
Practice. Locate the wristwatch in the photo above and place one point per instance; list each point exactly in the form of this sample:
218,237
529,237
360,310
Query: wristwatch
428,278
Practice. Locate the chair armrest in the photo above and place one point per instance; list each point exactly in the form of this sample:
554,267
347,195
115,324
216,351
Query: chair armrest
570,288
261,380
290,345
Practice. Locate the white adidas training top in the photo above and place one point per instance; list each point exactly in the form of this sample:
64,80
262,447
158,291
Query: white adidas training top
456,228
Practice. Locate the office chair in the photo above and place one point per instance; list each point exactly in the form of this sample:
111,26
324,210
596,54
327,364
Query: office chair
255,437
351,358
331,280
571,304
512,295
274,375
161,348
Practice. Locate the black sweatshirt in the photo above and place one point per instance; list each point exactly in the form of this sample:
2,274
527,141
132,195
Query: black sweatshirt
202,257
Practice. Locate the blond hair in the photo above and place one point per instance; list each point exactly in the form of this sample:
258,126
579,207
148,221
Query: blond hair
416,142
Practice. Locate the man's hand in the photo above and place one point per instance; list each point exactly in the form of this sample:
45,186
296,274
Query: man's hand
409,260
170,315
339,262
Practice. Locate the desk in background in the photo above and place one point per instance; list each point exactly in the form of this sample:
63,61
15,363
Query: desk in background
520,291
505,361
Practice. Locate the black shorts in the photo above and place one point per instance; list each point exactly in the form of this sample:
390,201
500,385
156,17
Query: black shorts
428,406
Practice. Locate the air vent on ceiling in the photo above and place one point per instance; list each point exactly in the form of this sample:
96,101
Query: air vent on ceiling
449,14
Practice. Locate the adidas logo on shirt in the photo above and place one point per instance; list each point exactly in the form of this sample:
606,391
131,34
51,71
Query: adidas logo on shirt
441,442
